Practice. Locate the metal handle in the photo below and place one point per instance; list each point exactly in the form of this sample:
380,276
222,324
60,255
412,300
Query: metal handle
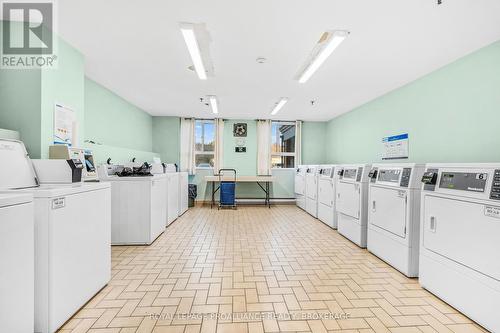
374,206
432,224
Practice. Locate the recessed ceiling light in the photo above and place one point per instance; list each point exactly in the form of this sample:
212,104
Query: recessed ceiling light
328,42
214,104
261,60
188,32
279,105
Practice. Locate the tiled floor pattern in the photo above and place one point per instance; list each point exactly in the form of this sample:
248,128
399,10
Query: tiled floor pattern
273,270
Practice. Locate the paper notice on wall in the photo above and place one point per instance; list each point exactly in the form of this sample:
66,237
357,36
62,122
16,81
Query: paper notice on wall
395,147
64,120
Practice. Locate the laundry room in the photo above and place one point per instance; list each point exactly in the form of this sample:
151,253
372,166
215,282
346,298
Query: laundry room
249,166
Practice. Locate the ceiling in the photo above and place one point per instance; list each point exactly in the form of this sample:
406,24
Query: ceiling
135,48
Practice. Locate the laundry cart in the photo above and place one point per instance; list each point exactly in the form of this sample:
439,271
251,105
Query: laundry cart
227,183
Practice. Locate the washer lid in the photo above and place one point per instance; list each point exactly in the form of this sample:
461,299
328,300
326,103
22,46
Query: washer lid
14,199
16,170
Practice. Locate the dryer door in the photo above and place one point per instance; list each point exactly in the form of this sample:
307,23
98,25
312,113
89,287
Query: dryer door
325,189
387,210
465,232
311,186
299,185
348,199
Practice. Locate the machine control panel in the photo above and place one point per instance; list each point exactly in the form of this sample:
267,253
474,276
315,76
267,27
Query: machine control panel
465,181
326,172
495,187
373,175
405,177
340,173
430,179
350,173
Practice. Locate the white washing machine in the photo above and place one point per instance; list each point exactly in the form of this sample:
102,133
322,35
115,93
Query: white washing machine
326,195
394,214
351,202
173,193
312,175
139,212
72,238
183,192
300,186
460,238
17,280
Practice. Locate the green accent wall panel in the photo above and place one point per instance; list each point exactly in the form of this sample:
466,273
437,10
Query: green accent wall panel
314,142
451,115
166,138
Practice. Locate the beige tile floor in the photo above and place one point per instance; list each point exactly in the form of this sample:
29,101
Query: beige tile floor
261,270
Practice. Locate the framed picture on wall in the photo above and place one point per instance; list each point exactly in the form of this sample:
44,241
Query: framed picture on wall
240,130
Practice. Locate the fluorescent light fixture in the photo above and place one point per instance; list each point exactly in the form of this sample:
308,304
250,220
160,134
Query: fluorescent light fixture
279,105
189,35
328,42
214,104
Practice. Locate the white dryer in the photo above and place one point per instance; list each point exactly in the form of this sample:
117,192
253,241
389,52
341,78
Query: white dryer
300,186
351,202
326,195
460,238
183,192
394,214
17,280
72,238
173,193
139,212
312,174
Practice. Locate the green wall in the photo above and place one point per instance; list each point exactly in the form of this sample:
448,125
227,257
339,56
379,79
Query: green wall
64,86
313,142
451,115
166,138
120,130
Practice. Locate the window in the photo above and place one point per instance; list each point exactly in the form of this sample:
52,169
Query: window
204,132
282,144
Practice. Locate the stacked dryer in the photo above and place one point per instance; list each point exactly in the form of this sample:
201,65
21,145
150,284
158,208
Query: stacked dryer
351,204
300,186
393,214
312,174
326,195
460,238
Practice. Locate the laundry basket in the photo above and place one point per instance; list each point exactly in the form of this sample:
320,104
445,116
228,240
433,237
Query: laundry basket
227,181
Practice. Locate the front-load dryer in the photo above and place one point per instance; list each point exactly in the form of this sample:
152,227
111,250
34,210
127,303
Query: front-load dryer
393,214
326,195
312,174
300,186
460,238
351,202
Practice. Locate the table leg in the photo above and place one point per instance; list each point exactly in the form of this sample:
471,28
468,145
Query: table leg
213,195
267,195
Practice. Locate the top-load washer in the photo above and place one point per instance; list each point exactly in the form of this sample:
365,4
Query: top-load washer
326,195
139,212
17,278
72,237
300,186
173,193
311,179
394,214
351,202
460,238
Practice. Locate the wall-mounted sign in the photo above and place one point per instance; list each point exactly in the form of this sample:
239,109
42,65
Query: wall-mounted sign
64,122
395,147
240,130
240,149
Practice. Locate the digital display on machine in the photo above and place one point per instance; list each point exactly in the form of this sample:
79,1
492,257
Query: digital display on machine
391,176
464,181
326,172
350,173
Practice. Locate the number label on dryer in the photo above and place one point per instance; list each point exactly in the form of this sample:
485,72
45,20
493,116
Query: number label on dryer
492,211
